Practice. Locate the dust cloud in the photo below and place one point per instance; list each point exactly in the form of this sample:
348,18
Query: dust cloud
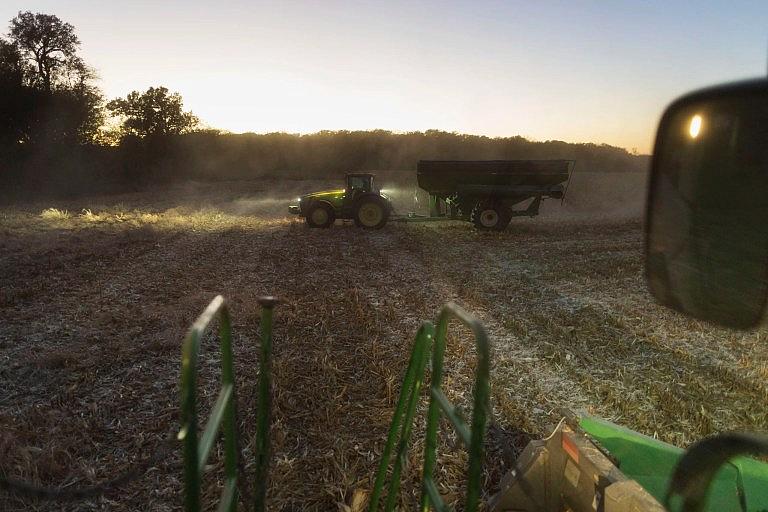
591,196
600,196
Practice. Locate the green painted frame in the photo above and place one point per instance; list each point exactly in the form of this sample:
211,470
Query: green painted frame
224,412
403,418
196,452
473,437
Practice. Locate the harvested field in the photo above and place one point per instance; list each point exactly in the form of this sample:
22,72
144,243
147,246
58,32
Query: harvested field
96,295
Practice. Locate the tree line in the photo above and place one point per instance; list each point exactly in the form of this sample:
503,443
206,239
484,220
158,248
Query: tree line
58,133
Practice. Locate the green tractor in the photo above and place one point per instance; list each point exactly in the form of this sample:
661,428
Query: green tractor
360,201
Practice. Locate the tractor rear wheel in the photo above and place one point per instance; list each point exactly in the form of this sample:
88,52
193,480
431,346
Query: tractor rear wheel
320,215
490,217
371,212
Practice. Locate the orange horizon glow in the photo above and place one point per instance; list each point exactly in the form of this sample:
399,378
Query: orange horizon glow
580,71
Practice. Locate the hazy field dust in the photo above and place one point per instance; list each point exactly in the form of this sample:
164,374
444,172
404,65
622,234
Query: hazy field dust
96,295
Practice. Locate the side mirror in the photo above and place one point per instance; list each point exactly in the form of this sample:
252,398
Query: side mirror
707,212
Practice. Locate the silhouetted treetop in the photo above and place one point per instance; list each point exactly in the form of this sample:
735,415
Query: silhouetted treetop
51,46
11,64
47,92
153,112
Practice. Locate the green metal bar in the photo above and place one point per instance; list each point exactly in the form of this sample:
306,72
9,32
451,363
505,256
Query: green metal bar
196,453
480,409
402,449
473,437
434,495
453,415
264,405
231,449
188,433
423,337
212,426
415,371
433,415
228,501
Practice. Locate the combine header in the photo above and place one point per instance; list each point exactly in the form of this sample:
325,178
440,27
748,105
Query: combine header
585,465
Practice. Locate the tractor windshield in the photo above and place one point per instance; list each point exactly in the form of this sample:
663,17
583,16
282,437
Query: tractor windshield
360,183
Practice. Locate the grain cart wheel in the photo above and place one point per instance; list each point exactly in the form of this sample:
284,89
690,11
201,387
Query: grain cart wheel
371,212
489,217
320,215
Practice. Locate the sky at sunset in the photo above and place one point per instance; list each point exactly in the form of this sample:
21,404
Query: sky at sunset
575,71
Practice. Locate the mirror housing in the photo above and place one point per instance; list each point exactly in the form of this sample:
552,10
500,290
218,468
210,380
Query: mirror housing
707,212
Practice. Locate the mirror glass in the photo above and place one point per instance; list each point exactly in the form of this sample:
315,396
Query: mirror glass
707,245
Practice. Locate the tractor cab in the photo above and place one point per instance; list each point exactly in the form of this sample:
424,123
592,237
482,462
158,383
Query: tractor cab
356,185
362,182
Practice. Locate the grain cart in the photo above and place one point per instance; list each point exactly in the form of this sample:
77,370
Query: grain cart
489,193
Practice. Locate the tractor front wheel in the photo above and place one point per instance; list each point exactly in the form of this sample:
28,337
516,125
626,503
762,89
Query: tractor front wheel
320,215
371,212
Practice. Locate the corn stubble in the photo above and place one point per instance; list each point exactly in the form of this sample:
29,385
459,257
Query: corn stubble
94,304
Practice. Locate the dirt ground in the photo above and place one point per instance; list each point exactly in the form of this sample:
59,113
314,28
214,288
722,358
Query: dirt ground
95,298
